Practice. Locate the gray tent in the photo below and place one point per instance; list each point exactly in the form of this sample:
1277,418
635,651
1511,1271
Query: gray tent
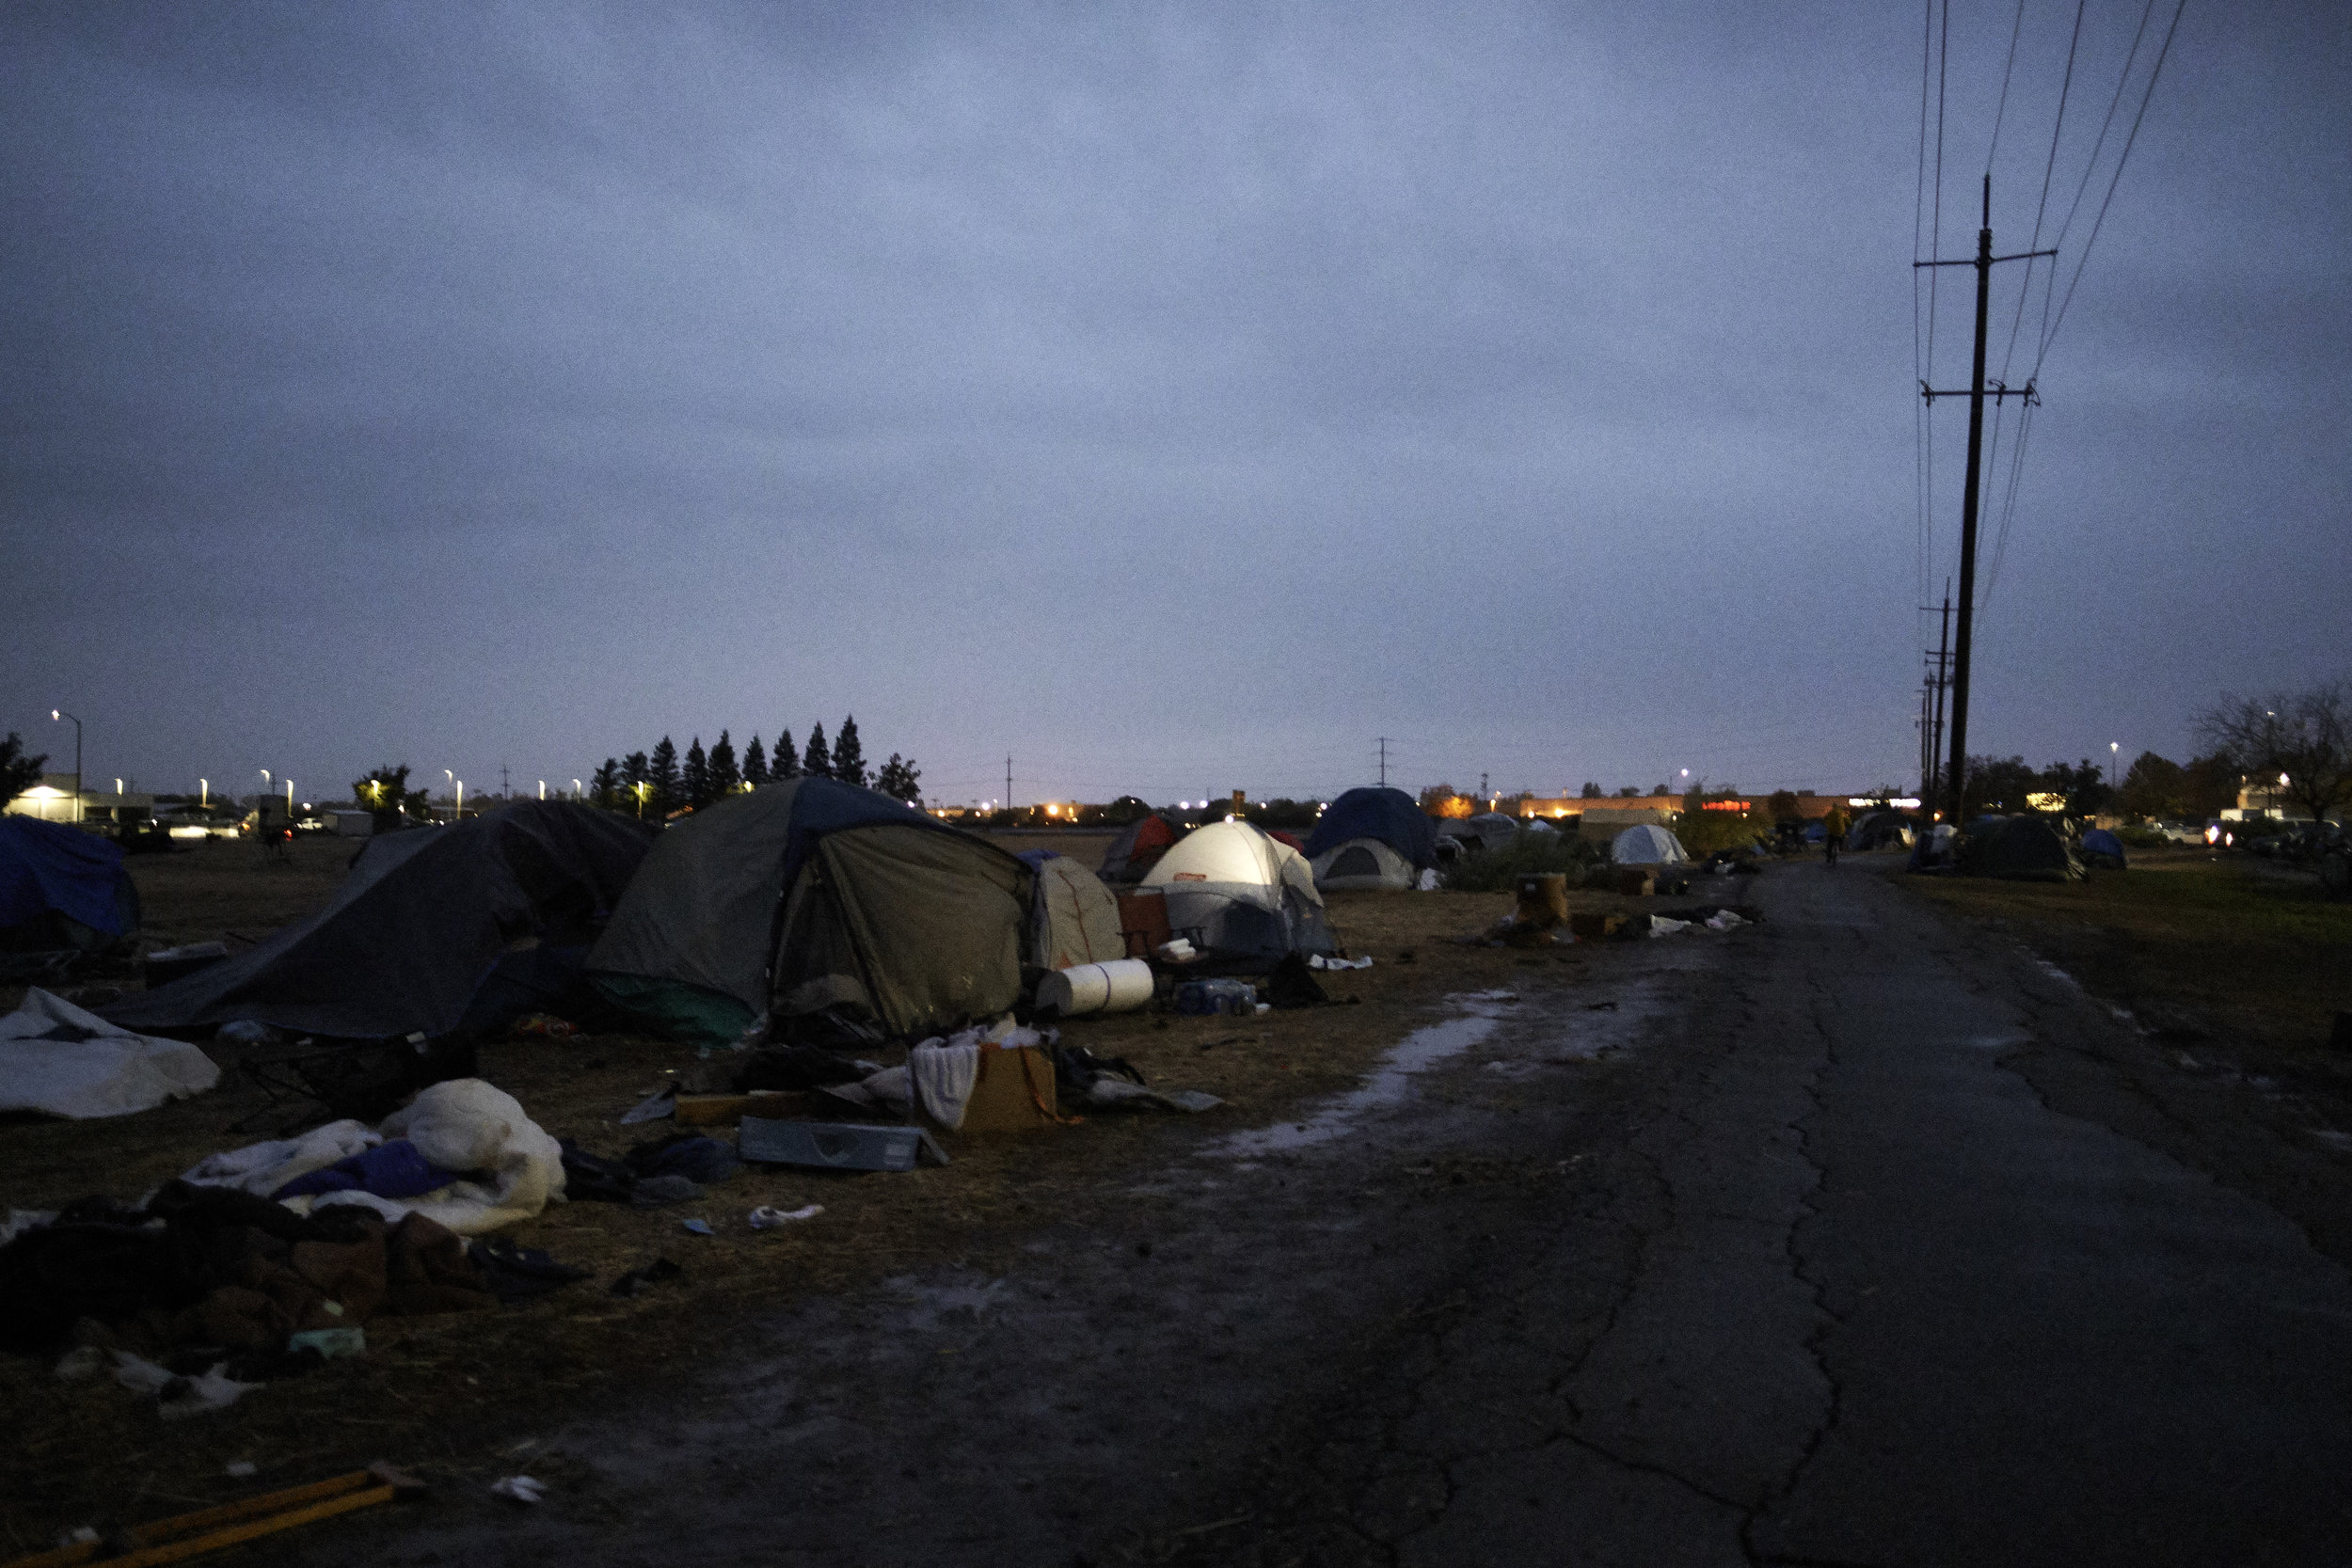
418,928
2020,849
1492,831
833,911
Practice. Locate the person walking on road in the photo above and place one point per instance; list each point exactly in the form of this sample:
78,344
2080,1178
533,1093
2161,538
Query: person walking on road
1832,834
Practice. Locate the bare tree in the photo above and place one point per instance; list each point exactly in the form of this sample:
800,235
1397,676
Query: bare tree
2301,740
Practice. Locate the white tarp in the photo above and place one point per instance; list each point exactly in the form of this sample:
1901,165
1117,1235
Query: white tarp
1648,845
61,1061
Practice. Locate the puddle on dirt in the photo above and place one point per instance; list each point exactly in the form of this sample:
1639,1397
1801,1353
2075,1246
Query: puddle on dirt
1390,1084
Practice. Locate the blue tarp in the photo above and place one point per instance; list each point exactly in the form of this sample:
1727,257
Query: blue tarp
1390,815
2102,844
48,866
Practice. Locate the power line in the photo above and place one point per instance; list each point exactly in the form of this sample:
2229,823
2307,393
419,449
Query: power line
2091,166
2017,24
2121,158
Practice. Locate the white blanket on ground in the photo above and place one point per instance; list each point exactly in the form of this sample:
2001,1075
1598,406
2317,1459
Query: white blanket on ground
263,1168
107,1071
464,1124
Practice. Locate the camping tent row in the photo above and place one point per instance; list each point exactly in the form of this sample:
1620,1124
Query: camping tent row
812,910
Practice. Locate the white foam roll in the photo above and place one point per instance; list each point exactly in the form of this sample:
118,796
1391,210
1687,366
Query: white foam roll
1118,987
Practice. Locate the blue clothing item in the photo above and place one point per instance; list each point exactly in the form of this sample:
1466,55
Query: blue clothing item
388,1170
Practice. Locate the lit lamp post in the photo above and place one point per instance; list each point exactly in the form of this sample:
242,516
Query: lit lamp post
2115,758
57,713
261,804
577,794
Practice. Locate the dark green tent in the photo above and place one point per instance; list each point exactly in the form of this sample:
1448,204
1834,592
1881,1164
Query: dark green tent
832,910
2020,849
418,928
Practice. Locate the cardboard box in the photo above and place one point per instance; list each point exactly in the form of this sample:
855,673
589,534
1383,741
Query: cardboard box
1634,883
1595,927
1012,1093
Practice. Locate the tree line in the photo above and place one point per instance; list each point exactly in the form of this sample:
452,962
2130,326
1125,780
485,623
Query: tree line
657,783
660,781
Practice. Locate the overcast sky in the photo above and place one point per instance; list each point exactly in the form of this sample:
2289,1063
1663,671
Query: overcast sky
1175,399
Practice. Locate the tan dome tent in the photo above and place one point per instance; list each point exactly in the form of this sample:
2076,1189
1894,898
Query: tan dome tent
837,912
1247,894
1362,864
1076,916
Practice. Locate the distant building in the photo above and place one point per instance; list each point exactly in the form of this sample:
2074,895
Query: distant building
52,801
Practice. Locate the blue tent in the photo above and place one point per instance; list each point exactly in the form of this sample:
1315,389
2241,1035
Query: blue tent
2102,847
1390,815
60,887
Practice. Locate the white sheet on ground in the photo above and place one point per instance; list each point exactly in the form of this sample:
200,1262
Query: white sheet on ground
96,1068
464,1124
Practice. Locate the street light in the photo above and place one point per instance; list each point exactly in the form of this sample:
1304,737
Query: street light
2115,756
57,713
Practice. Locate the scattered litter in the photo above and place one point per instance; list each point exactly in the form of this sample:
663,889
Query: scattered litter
1428,882
1178,952
1108,1093
1200,998
835,1144
656,1106
700,1227
513,1273
239,1468
767,1217
1316,960
658,1272
331,1343
1662,926
177,1397
544,1025
521,1489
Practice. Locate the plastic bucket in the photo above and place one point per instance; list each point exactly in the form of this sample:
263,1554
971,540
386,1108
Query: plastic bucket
1118,987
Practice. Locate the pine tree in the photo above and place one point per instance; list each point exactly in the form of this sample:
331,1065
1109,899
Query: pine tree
662,776
783,762
901,780
606,789
817,762
755,764
694,778
848,754
725,780
636,774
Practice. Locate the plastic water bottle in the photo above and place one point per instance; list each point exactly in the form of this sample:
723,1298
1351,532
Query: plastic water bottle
1199,997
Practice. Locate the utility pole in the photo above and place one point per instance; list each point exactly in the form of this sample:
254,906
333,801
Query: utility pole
1939,667
1009,780
1956,779
1384,762
506,791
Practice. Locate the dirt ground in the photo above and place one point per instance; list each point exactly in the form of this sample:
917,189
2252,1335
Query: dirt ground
441,1394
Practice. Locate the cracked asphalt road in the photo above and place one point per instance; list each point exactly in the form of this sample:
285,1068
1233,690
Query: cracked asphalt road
1783,1260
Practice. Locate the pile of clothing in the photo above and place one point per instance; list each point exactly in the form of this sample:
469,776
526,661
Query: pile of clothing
215,1267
